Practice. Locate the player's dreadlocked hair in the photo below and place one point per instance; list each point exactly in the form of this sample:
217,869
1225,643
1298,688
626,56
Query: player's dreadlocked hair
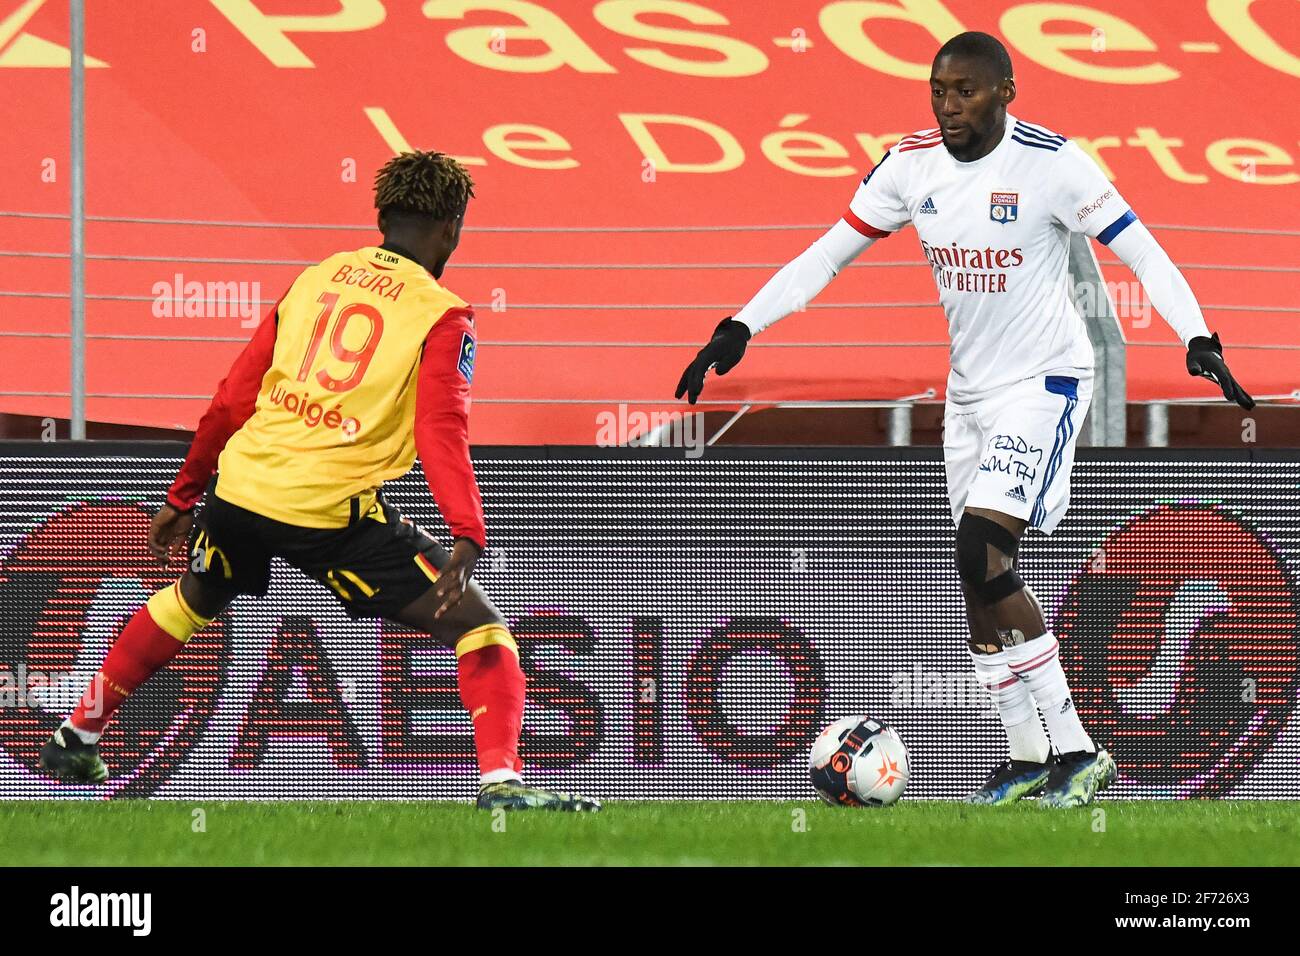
423,184
979,46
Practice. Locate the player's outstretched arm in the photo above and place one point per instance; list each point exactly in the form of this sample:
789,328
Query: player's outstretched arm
442,442
231,406
790,290
1169,292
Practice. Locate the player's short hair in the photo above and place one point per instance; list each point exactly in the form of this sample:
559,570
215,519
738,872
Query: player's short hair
424,184
982,47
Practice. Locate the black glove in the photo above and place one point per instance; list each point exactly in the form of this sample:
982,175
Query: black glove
1205,358
725,349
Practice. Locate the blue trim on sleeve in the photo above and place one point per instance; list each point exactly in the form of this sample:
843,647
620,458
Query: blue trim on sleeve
1116,227
1063,385
874,168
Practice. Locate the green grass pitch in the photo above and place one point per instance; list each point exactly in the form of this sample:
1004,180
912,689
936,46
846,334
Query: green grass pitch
1125,833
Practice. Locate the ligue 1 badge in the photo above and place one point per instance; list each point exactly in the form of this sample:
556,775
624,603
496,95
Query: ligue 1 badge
466,362
1002,207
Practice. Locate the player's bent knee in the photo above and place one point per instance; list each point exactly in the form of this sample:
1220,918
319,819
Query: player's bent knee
975,535
177,611
474,611
494,634
1001,588
203,596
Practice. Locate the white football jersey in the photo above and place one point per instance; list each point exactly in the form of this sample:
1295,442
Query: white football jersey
996,233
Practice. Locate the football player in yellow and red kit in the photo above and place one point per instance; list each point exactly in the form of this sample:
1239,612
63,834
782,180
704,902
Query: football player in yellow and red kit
364,362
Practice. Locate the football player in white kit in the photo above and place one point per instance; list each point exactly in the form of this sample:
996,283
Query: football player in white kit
994,200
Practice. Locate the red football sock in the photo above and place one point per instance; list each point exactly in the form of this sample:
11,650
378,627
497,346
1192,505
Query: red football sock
144,646
492,690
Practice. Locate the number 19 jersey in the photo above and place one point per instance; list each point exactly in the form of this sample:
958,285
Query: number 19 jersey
333,417
996,233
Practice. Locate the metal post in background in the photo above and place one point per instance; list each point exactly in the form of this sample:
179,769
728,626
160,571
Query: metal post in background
900,425
77,198
1157,425
1107,418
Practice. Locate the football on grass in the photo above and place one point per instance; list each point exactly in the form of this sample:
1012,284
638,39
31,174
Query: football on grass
859,762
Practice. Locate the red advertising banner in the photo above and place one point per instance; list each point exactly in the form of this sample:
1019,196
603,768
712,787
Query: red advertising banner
641,166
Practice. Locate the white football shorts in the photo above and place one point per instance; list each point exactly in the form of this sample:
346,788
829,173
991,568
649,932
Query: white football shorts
1013,451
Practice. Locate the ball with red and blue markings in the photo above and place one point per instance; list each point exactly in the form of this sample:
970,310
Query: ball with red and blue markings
859,762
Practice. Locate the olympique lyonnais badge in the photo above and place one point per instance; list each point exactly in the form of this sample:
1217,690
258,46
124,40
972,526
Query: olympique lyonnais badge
1002,207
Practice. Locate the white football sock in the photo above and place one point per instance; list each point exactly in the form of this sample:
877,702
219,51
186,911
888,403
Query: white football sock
85,736
499,776
1037,663
1016,708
